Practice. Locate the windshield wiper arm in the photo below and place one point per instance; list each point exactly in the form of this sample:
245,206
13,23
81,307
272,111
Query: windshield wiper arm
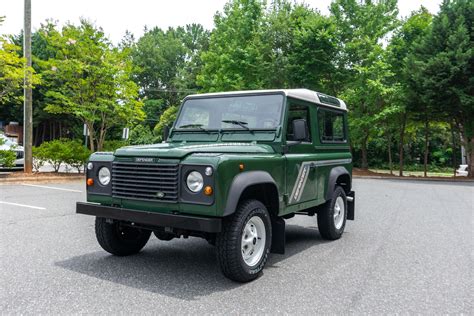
192,126
240,123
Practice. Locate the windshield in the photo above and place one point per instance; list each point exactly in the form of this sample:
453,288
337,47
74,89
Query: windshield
232,112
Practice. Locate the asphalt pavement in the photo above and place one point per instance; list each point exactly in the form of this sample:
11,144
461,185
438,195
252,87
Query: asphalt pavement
410,250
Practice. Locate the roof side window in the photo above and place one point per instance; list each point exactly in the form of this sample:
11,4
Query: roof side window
331,126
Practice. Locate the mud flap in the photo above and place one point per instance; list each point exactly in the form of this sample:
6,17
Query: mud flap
278,235
351,205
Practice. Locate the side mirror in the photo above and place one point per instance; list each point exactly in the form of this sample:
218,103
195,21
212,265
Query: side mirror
300,130
166,133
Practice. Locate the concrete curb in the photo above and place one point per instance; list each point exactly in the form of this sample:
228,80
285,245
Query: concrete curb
414,179
10,180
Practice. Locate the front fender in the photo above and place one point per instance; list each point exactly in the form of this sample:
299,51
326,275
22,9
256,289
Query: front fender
240,183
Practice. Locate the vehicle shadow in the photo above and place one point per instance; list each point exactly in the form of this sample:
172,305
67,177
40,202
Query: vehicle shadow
183,269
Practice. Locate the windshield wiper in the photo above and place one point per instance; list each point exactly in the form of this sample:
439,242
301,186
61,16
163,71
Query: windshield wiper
192,126
240,123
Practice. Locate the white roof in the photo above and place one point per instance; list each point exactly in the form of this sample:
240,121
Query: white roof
301,94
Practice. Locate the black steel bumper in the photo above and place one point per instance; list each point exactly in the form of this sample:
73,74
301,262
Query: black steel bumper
194,223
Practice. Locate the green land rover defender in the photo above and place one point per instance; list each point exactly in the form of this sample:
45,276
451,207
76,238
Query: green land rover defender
233,167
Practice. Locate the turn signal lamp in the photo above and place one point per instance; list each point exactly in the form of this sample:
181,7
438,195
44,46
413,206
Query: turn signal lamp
90,182
241,167
208,190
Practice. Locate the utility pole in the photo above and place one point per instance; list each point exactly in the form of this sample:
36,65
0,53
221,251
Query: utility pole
28,103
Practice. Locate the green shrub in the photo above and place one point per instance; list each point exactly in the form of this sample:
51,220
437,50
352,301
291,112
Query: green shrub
112,145
60,151
7,158
142,135
39,157
77,154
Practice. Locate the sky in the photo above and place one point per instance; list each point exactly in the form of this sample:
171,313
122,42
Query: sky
117,16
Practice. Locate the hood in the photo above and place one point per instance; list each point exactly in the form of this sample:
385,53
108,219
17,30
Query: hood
180,150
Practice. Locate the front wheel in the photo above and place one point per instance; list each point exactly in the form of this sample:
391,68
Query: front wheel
244,243
332,215
119,239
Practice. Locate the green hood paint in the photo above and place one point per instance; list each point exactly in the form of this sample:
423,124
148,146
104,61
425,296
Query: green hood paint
180,150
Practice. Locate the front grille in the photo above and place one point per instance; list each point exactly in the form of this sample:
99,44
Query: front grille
145,181
19,154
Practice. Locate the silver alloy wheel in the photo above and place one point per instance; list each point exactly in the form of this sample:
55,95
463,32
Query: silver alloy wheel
339,212
253,241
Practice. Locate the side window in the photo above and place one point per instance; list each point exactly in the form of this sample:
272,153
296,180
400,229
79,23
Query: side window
297,112
331,126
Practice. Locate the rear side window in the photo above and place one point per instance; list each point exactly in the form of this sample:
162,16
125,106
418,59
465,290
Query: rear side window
331,126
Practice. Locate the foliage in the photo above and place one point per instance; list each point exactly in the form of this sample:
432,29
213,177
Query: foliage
167,119
61,151
77,154
361,28
39,157
113,145
91,81
7,156
408,83
237,58
12,71
443,66
166,64
142,135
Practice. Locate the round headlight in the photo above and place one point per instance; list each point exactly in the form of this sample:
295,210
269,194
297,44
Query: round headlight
194,181
104,176
90,166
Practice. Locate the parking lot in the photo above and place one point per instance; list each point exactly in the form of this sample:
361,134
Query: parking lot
410,250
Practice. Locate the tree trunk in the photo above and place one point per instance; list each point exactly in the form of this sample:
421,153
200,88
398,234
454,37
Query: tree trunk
389,142
401,143
470,156
365,164
453,134
43,134
425,160
90,127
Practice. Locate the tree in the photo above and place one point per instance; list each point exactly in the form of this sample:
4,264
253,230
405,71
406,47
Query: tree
167,62
444,67
400,50
362,25
238,55
302,46
12,67
90,79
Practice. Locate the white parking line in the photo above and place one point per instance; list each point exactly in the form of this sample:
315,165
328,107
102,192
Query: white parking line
23,205
52,188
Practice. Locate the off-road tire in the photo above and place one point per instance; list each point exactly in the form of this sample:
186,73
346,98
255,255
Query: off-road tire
120,240
326,225
228,242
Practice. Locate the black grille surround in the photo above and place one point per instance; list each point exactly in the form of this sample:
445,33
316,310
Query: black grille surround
145,181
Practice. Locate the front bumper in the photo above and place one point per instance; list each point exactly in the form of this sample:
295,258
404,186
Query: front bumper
193,223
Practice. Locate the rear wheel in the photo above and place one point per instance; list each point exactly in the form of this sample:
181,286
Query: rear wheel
244,243
332,215
119,239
